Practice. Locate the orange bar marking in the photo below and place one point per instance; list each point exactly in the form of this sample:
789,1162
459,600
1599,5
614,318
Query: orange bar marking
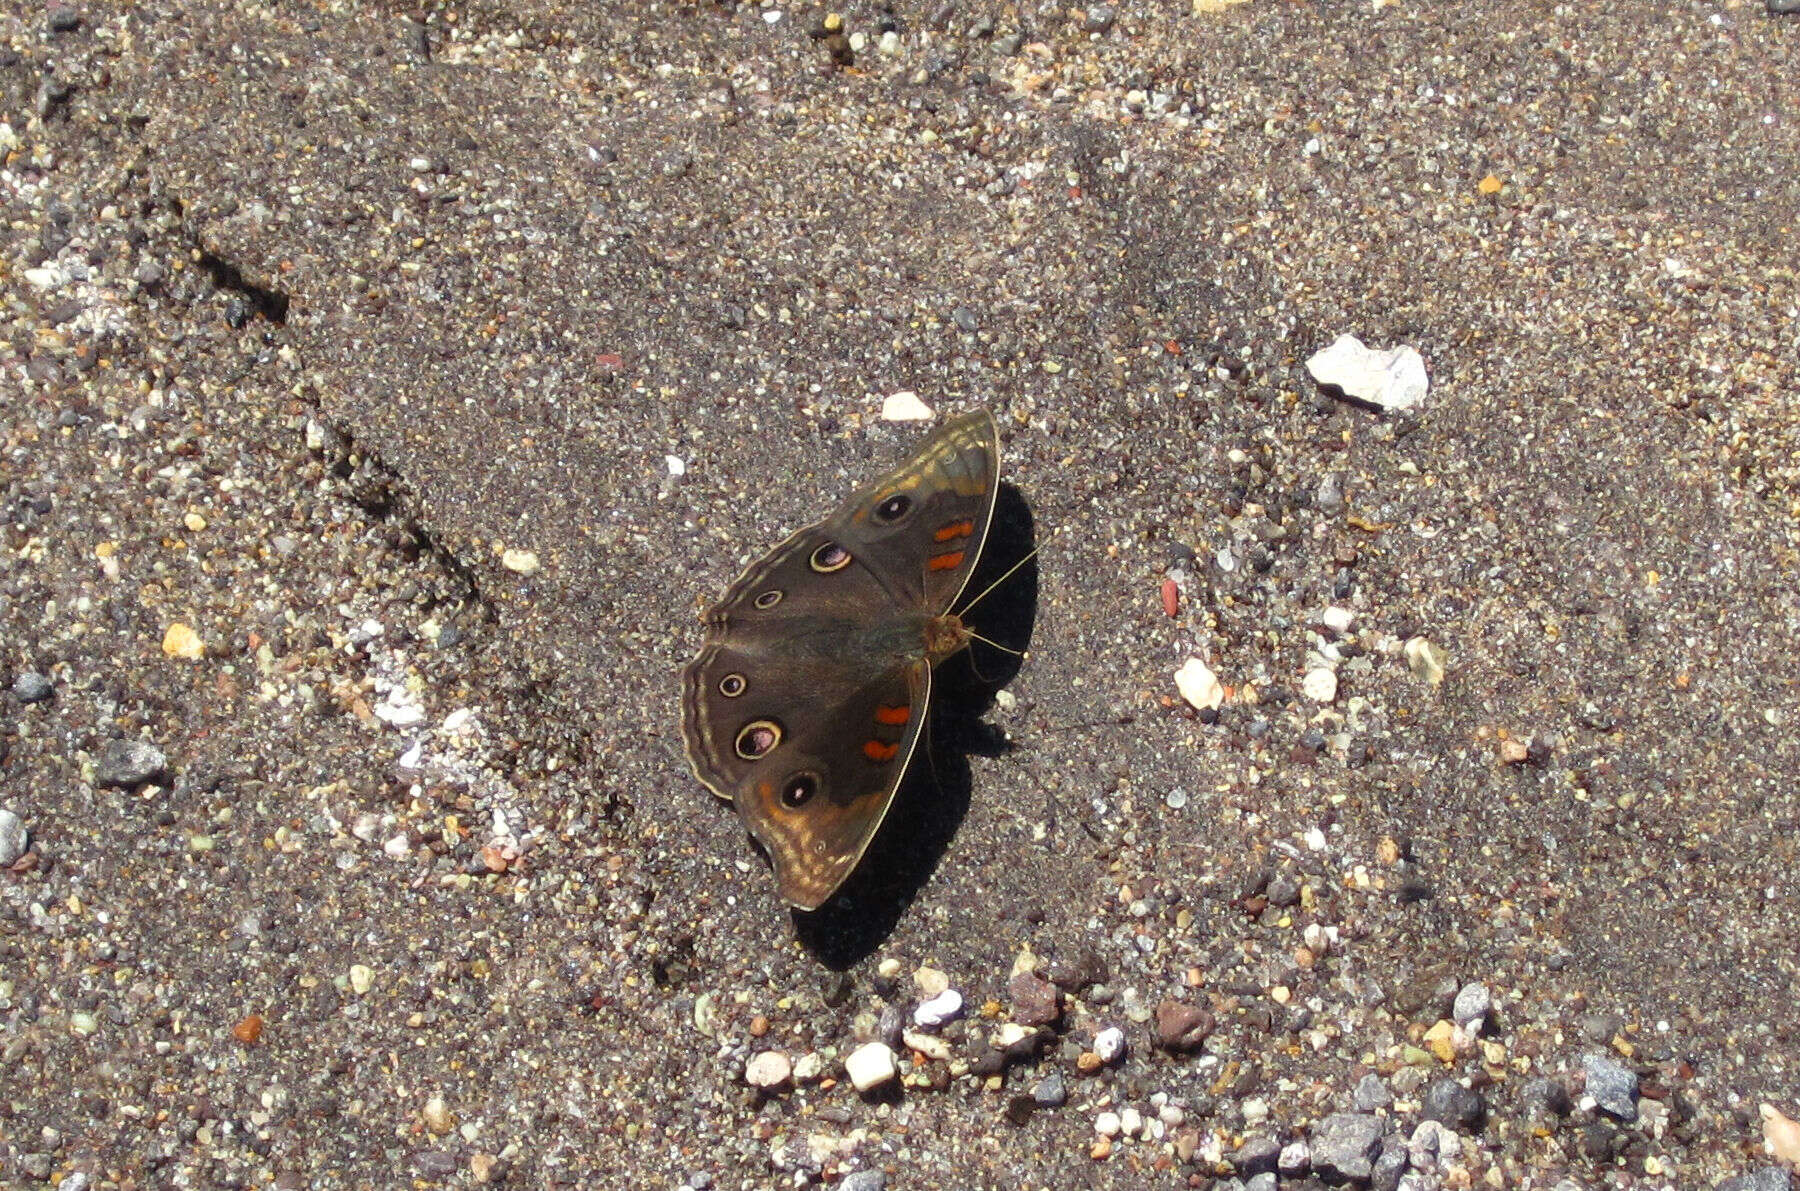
954,530
874,750
892,716
946,562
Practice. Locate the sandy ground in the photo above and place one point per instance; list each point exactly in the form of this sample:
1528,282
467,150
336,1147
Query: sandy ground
385,393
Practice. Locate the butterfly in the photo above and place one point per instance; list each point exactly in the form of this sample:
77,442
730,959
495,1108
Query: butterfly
805,704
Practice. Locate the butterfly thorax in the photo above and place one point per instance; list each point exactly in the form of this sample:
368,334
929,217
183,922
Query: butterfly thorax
944,635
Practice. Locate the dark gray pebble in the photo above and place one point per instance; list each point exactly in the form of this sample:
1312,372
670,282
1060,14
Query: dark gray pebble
1769,1178
129,763
1600,1027
1390,1164
435,1164
1543,1099
1613,1086
1448,1102
1371,1093
31,687
1344,1147
1050,1092
863,1180
14,838
1257,1155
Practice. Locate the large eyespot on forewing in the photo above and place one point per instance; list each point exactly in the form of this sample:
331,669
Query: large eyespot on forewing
829,557
757,739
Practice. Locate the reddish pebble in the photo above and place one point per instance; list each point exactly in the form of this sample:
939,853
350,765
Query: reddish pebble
1171,598
494,859
248,1030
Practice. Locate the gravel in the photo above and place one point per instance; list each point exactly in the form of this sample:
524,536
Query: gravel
334,470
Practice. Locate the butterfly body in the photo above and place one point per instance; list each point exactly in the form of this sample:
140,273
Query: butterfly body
808,697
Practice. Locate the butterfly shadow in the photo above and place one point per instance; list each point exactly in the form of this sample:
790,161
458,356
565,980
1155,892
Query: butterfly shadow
933,797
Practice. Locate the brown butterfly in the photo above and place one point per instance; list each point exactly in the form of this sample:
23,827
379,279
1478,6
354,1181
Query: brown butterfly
805,704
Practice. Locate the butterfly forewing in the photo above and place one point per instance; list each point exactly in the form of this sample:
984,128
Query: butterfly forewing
921,527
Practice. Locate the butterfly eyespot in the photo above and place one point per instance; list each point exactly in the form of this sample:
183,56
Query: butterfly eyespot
893,508
756,739
769,598
732,685
799,790
830,557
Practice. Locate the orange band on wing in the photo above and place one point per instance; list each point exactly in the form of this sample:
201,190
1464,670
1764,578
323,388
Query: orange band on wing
954,530
874,750
945,562
893,716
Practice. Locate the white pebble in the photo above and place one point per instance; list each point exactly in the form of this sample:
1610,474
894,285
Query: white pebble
929,1045
1199,685
1109,1044
1131,1122
1338,620
768,1070
905,406
870,1065
1393,379
1319,685
1107,1124
939,1009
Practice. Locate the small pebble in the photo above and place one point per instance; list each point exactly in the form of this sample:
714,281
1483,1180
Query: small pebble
939,1009
31,687
1448,1102
870,1066
1613,1087
14,838
1320,684
1109,1044
768,1070
128,763
1107,1124
437,1116
1181,1027
1199,685
1473,1004
905,406
1371,1093
180,641
1036,1002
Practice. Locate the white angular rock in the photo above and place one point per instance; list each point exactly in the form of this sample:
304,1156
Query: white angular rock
1199,685
905,406
1109,1043
1394,379
1426,659
870,1065
768,1070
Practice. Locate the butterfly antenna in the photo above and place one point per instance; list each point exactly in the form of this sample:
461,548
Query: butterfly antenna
1002,579
1018,653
